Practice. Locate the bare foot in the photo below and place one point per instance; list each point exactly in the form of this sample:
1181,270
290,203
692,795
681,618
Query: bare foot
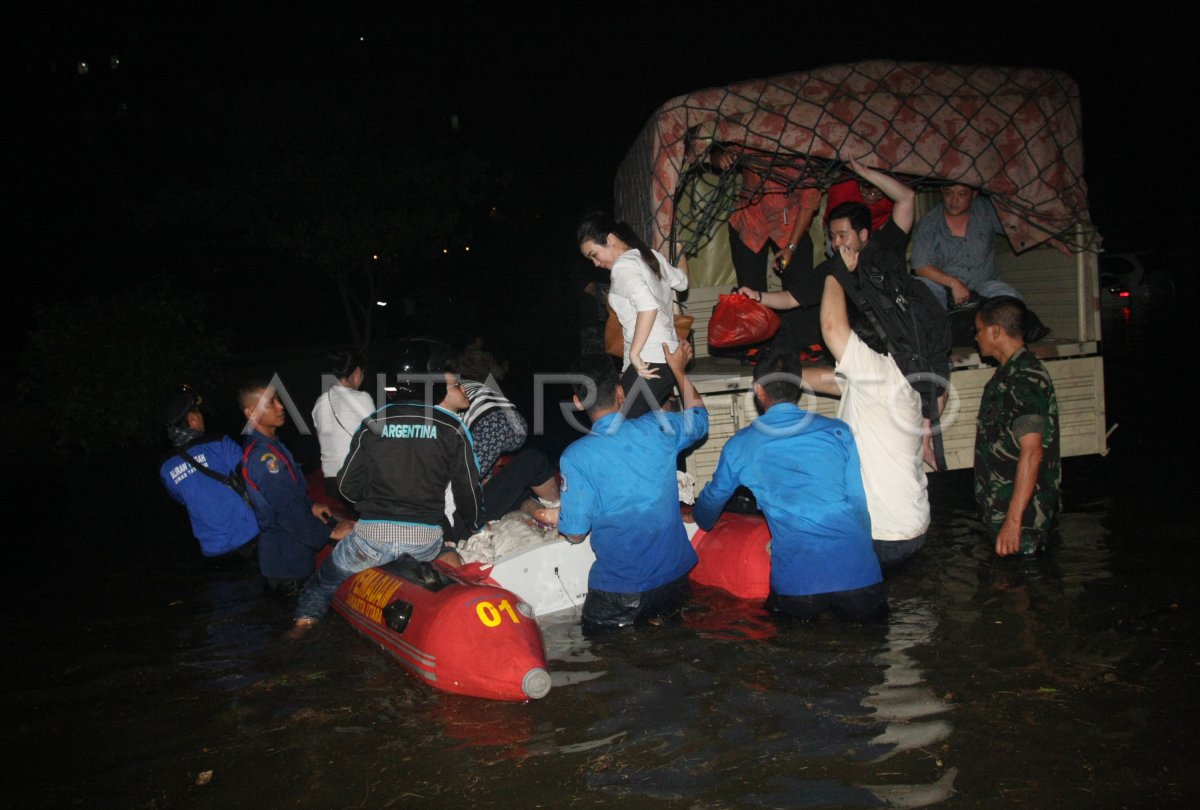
300,628
547,516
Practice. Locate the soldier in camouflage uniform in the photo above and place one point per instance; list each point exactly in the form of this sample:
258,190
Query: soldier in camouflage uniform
1017,467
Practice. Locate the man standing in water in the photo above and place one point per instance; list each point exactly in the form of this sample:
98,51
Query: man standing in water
620,483
878,403
803,469
203,474
292,528
1017,467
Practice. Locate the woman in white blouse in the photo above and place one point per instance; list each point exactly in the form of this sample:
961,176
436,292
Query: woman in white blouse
642,292
338,413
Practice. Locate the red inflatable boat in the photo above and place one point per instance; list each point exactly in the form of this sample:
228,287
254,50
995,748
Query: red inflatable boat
734,556
460,636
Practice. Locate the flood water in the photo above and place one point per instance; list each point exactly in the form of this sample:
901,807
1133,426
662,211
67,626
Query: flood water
138,676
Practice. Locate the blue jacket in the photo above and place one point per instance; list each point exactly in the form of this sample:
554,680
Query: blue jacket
803,470
221,521
619,483
290,535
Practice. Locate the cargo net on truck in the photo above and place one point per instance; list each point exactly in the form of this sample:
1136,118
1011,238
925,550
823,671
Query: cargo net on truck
1012,133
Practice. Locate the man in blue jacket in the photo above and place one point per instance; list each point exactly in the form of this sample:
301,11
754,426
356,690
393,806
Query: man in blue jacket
292,528
207,481
619,483
803,469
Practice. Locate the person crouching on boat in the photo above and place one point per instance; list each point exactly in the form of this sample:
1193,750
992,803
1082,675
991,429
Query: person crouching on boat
804,470
292,528
619,483
400,463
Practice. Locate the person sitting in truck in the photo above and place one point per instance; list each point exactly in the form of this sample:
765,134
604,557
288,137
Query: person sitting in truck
954,248
954,254
857,190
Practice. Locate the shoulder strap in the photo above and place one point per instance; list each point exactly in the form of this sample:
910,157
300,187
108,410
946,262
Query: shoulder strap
232,480
333,411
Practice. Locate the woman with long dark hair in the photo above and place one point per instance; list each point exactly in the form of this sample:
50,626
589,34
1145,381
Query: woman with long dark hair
339,411
642,291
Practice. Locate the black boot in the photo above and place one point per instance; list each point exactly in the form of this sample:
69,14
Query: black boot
1035,330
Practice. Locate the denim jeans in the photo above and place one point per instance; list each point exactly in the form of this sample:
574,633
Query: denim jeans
988,289
606,610
353,554
857,605
894,553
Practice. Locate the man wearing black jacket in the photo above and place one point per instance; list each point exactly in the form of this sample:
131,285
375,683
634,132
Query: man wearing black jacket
400,462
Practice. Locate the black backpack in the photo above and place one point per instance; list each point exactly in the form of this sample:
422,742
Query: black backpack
895,314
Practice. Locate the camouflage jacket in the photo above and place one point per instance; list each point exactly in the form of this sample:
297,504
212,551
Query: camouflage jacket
1019,390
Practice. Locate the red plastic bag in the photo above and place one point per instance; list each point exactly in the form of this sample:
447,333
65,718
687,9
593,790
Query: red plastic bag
738,320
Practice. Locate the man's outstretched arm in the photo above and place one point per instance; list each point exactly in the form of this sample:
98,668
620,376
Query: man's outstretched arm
835,320
904,198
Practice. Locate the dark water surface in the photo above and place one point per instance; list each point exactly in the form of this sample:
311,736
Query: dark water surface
132,669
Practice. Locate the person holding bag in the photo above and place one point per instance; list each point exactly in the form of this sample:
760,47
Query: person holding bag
641,295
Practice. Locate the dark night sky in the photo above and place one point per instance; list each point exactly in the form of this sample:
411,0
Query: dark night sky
559,94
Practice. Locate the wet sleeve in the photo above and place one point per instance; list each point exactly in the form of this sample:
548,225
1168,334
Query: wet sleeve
713,497
690,427
578,499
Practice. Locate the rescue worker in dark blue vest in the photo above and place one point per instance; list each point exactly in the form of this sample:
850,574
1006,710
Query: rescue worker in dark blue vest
208,480
292,528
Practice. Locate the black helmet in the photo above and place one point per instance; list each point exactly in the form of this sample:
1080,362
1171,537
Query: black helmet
417,357
182,401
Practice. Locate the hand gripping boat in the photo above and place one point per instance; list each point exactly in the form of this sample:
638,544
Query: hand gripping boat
458,636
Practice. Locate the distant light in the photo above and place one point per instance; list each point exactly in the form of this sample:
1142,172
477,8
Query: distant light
375,256
114,61
467,248
362,39
83,68
381,303
445,251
